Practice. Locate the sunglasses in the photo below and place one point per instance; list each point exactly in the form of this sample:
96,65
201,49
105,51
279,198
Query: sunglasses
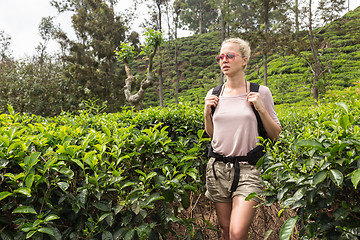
229,56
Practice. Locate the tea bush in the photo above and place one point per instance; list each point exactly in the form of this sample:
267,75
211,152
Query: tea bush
315,168
128,175
105,176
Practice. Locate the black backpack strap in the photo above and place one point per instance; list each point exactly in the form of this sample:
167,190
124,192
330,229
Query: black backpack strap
216,91
254,87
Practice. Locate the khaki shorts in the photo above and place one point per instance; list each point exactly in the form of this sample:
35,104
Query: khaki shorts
219,190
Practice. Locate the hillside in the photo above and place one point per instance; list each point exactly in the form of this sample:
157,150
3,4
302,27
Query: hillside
289,77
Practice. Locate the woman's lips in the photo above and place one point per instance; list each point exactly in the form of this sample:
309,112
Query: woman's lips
225,67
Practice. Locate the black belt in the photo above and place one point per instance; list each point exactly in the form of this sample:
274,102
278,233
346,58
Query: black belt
251,157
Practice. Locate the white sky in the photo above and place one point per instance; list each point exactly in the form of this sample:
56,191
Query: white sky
21,18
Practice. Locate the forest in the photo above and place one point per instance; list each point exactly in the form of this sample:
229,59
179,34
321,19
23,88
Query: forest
105,138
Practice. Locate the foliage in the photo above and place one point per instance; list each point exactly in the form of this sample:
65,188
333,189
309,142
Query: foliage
90,59
289,76
37,87
198,15
110,176
5,41
129,175
315,168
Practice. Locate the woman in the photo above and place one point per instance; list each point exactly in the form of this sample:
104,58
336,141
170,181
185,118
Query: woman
233,130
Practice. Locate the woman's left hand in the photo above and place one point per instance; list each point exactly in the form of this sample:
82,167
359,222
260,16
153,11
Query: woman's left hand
255,99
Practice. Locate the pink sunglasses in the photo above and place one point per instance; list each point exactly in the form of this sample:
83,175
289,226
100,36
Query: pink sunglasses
229,56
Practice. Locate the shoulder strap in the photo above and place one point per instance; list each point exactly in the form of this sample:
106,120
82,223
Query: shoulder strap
216,91
254,87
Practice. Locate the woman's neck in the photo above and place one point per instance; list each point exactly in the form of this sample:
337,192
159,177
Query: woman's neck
235,82
235,88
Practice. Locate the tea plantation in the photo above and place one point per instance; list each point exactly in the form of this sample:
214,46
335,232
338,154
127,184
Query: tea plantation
129,175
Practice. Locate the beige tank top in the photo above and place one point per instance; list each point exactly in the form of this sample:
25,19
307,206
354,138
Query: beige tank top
235,125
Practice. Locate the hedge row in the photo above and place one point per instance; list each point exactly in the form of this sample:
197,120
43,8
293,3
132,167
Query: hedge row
103,176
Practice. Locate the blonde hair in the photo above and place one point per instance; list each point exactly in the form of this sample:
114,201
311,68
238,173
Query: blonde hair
244,47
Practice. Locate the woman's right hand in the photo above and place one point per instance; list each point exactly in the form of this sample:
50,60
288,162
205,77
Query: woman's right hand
210,101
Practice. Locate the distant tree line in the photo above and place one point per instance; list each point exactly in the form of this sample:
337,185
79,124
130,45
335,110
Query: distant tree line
88,68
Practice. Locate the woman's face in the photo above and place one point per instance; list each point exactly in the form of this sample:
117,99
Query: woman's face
231,61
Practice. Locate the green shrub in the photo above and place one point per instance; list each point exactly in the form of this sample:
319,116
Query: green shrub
112,176
315,168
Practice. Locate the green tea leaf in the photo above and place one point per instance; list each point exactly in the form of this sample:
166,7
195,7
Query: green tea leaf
153,197
24,190
288,228
46,230
129,234
344,122
319,177
51,217
4,195
151,175
107,236
25,209
34,158
30,179
63,185
30,234
49,164
15,145
3,163
106,130
310,144
336,176
355,177
104,216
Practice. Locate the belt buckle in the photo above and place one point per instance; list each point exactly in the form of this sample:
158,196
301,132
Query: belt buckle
232,160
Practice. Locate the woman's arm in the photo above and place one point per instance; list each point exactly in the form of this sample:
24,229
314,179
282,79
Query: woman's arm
272,128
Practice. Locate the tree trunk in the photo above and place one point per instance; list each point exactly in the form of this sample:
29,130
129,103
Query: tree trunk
176,62
228,13
266,21
223,23
135,100
296,10
161,91
317,68
265,69
200,18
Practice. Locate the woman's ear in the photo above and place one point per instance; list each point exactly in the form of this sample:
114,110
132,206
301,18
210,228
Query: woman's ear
245,61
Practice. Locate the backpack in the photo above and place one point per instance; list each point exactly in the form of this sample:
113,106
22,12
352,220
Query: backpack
254,87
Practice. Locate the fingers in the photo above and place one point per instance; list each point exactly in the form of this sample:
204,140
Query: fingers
255,99
211,101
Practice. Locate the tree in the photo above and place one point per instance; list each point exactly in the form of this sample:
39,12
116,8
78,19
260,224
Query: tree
269,22
159,4
177,8
327,11
126,55
47,31
36,88
90,59
156,13
198,15
5,41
